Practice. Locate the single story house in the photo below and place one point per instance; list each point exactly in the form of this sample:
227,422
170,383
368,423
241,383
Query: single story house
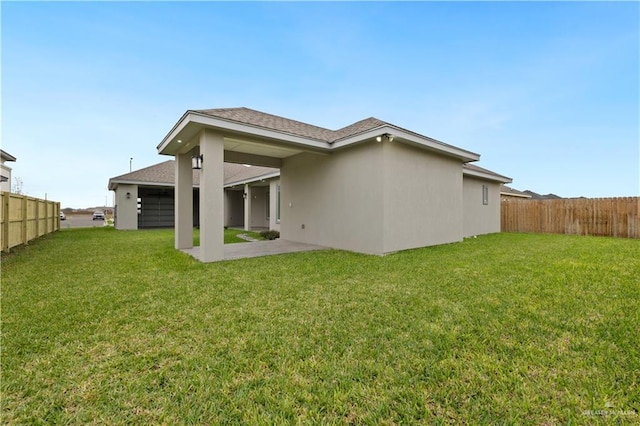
370,187
145,198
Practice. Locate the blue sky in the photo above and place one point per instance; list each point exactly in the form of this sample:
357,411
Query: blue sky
547,93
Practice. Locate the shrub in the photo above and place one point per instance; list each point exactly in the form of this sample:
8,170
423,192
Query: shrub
270,234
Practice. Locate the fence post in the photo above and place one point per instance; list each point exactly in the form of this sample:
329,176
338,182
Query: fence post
5,224
25,220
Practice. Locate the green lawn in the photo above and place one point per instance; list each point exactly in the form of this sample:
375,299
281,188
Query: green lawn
230,236
112,327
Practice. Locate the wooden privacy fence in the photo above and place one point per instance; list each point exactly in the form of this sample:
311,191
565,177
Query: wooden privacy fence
614,217
24,218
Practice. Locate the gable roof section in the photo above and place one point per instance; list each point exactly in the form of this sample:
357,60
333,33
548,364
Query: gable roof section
263,125
285,125
359,127
293,127
163,174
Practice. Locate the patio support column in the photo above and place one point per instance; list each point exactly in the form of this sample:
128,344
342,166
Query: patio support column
247,207
211,197
183,202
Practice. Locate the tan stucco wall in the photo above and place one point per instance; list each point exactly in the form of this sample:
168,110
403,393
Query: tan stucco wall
479,218
336,197
126,208
372,198
423,198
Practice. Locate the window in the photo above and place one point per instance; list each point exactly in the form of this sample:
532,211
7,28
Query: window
268,203
485,195
278,203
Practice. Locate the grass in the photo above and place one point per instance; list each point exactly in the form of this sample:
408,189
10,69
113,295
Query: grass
101,326
230,236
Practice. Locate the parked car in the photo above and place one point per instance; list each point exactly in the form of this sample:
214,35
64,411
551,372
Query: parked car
63,216
98,215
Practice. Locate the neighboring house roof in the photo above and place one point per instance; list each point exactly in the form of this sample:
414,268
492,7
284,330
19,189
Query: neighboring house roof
163,174
6,156
473,170
6,170
263,125
536,196
510,192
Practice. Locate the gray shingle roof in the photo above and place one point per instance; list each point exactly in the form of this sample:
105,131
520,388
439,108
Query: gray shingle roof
164,174
359,127
536,196
478,169
285,125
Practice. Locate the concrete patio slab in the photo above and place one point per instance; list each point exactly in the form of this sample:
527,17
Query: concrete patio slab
259,249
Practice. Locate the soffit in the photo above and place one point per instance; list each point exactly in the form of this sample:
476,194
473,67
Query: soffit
256,148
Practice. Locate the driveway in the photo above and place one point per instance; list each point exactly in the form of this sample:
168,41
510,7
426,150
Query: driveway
80,221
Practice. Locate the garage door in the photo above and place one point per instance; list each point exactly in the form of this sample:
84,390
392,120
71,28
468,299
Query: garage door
156,211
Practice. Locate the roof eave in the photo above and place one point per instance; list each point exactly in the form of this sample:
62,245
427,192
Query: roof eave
204,120
253,179
6,156
173,135
401,135
488,176
512,194
113,183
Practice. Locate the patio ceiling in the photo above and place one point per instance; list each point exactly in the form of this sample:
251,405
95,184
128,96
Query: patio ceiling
259,148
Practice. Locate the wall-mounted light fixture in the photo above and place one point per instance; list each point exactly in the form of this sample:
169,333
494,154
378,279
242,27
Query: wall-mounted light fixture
244,195
385,137
196,162
128,195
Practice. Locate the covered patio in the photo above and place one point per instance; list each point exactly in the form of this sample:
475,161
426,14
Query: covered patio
205,140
